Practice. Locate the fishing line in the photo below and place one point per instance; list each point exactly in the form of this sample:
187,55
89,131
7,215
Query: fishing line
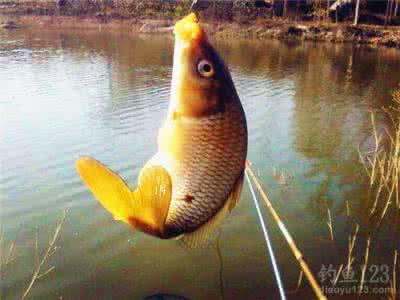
292,245
268,241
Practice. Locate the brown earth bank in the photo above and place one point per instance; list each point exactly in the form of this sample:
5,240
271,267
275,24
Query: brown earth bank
300,20
361,34
264,29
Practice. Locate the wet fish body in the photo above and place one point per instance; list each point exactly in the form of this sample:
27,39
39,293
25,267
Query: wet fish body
196,176
213,153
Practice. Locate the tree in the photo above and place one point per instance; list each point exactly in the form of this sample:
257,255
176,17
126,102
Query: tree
357,12
285,7
387,13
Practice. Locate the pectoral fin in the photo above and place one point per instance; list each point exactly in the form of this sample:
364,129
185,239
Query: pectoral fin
200,236
151,200
145,209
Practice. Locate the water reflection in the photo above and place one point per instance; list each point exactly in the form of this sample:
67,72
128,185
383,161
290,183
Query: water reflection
68,93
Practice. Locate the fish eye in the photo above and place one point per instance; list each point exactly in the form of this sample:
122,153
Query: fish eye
205,68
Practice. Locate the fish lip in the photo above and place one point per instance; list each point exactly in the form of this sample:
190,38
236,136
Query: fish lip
188,29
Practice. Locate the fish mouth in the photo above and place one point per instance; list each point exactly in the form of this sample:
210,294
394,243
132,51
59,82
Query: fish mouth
188,29
193,95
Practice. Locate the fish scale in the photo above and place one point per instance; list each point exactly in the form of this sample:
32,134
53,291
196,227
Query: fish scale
214,150
196,175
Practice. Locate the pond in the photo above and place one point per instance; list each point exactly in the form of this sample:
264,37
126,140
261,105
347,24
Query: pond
67,93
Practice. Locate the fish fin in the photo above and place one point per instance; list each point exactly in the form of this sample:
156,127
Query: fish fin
199,237
151,200
145,209
107,187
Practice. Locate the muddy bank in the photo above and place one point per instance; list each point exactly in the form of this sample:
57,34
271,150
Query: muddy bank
342,33
312,31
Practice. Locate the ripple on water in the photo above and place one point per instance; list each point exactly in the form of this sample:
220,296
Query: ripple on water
72,94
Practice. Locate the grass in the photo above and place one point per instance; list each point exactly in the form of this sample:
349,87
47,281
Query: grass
393,282
330,225
7,256
351,245
383,168
6,253
338,275
364,266
51,249
383,164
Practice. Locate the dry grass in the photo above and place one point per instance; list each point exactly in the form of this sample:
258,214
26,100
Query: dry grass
8,255
364,266
347,207
383,164
351,245
383,168
393,282
50,250
330,225
338,275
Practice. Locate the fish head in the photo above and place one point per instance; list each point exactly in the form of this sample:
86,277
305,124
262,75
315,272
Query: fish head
201,83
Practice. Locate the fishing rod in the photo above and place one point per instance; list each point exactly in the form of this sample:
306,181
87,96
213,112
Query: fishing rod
268,241
296,252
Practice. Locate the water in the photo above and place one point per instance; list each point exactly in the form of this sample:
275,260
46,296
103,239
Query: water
71,93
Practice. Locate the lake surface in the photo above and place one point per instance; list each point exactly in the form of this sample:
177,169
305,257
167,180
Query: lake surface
69,93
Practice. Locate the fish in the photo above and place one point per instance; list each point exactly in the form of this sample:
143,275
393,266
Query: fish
196,176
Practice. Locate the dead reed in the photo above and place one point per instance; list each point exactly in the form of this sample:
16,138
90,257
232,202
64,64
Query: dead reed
351,245
50,250
383,163
330,225
393,282
6,253
364,266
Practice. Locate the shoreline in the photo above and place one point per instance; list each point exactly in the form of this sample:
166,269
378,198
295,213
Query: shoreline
373,35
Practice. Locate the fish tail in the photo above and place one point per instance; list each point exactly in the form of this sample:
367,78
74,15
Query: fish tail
145,208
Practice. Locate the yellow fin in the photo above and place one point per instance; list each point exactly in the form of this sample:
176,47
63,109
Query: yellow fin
145,209
199,237
107,187
151,200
